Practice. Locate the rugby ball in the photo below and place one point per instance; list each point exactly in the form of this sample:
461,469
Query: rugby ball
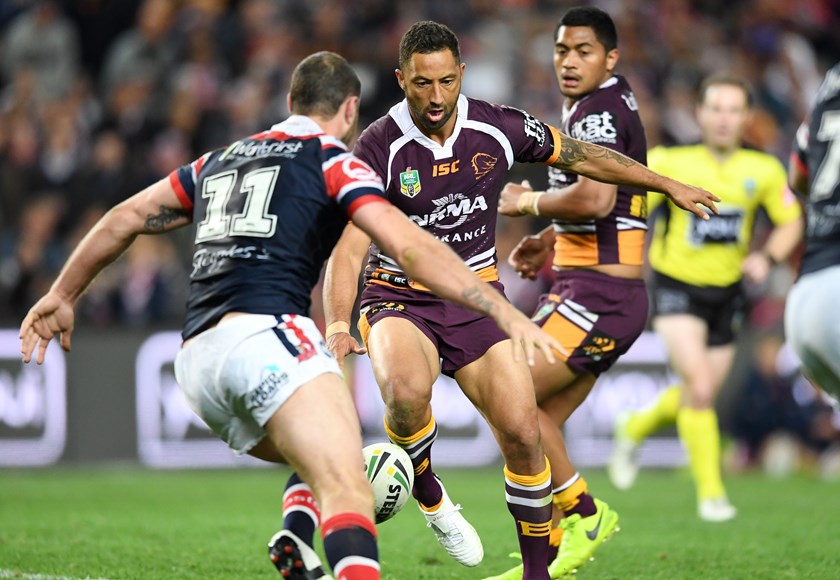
391,476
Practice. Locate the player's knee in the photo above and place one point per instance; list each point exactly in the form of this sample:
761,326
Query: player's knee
519,438
405,402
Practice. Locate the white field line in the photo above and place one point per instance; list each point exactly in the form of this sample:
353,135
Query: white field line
6,573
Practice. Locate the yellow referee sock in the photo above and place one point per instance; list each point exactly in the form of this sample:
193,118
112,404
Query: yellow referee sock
648,421
700,435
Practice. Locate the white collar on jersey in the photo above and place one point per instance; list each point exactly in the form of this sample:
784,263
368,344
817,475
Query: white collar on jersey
303,126
567,111
402,117
298,125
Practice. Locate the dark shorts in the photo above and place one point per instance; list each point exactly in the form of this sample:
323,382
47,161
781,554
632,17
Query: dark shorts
460,335
720,307
596,317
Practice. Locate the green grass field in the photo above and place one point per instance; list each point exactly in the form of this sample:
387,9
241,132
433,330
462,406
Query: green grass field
132,523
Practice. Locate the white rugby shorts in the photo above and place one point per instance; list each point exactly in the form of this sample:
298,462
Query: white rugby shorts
812,326
236,375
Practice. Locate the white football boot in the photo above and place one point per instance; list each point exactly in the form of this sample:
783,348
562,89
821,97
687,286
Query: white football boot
454,532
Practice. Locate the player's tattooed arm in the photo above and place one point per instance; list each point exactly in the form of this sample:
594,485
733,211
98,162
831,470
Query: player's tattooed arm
608,166
166,219
477,298
574,152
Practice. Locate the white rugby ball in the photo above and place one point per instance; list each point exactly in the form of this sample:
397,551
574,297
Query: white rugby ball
391,476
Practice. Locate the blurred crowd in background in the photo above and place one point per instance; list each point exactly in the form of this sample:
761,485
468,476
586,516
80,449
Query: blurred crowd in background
100,98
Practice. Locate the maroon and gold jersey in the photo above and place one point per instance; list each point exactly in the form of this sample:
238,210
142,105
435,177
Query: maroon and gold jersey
452,190
609,117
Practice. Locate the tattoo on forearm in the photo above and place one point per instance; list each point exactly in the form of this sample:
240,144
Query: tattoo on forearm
475,296
573,152
167,215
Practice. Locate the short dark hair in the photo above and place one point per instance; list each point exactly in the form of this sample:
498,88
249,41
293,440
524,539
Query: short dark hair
725,79
321,82
599,21
426,37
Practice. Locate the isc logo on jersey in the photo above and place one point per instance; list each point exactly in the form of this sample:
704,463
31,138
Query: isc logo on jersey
389,471
595,128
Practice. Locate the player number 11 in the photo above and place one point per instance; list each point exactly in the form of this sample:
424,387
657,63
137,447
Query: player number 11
254,219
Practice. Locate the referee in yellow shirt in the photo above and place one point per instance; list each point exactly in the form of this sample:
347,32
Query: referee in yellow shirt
697,271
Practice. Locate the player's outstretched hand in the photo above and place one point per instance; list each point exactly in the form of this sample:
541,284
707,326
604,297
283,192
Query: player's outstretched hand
688,197
342,344
527,337
509,198
51,315
528,257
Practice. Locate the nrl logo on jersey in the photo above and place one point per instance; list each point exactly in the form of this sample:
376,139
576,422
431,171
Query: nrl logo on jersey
410,182
455,205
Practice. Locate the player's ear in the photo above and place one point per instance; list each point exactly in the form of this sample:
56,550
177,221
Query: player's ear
289,101
400,78
350,109
612,59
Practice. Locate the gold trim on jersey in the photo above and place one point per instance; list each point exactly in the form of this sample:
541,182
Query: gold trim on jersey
566,332
555,155
364,328
383,277
631,247
576,249
582,249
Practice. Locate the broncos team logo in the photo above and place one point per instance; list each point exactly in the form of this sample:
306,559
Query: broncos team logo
598,346
483,163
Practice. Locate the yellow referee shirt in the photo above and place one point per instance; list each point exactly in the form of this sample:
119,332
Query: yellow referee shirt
710,253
